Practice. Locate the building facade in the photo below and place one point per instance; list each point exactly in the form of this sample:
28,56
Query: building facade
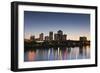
64,37
41,37
83,38
50,35
32,38
59,36
46,38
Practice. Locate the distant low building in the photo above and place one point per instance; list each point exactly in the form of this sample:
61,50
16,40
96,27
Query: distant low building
37,39
64,37
27,40
83,38
46,38
32,38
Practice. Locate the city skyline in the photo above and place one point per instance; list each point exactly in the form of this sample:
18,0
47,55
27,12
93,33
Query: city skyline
52,36
59,36
72,24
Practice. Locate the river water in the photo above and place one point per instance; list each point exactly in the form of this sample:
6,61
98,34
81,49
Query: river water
58,53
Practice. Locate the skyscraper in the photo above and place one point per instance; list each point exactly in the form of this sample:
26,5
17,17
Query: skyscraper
50,35
60,32
41,37
56,37
60,35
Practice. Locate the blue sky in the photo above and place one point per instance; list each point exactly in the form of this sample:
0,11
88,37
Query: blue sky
72,24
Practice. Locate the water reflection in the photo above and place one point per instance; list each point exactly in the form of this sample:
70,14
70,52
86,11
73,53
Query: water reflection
57,53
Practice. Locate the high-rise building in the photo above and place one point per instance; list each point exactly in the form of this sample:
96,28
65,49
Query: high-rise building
60,32
32,38
41,37
50,35
46,38
60,35
56,37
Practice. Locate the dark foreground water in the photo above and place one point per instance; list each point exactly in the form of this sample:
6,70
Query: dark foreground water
59,53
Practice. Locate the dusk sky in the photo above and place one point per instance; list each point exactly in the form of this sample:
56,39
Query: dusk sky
72,24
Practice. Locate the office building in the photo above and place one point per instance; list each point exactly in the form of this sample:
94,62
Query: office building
56,37
83,38
32,38
50,35
60,35
41,37
64,37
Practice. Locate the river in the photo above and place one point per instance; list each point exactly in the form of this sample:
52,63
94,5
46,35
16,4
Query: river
58,53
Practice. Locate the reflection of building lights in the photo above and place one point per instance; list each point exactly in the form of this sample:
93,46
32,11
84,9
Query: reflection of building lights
65,54
31,55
